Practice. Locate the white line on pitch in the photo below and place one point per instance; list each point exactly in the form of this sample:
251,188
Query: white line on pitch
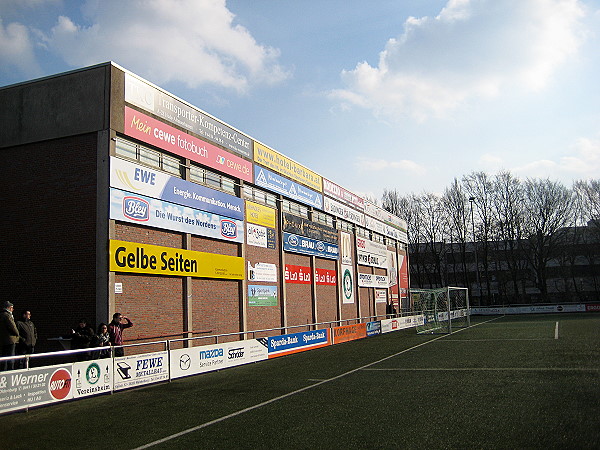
289,394
492,340
556,331
490,369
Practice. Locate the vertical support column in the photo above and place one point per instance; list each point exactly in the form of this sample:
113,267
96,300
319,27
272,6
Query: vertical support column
105,280
187,296
313,290
449,309
284,321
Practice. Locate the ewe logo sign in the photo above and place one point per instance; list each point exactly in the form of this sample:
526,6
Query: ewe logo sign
137,370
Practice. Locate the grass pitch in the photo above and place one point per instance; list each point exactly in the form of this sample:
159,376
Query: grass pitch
506,382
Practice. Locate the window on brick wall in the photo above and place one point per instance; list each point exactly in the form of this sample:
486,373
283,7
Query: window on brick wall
211,179
343,225
259,196
323,218
294,208
148,157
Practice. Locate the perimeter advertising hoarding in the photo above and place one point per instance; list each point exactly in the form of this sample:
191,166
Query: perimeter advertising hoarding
373,281
92,377
374,328
20,389
260,295
349,332
156,260
153,100
260,215
131,177
156,213
400,323
137,370
343,212
297,342
206,358
306,246
154,132
284,186
302,275
347,284
282,164
304,227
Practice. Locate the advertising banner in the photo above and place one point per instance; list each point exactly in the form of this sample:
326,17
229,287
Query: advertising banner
145,128
259,295
343,195
262,272
374,328
301,275
20,389
304,227
137,370
297,342
349,332
401,323
276,183
147,97
169,216
372,280
307,246
347,284
380,296
206,358
260,215
326,277
92,377
157,260
403,274
343,212
131,177
282,164
371,253
345,248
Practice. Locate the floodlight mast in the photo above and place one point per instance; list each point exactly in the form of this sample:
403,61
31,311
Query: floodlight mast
471,200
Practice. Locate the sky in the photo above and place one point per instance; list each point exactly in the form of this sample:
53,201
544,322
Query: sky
401,95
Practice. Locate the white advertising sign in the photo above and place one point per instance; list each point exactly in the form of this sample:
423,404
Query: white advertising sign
347,284
343,212
371,253
92,377
380,295
346,248
206,358
136,370
372,280
262,272
400,323
256,235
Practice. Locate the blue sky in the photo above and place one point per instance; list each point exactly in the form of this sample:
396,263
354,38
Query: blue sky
403,95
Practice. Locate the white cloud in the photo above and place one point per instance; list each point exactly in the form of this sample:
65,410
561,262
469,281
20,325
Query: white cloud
378,165
17,49
584,163
191,41
473,49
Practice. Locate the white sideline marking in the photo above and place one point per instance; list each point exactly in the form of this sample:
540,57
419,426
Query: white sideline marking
498,340
289,394
516,369
556,331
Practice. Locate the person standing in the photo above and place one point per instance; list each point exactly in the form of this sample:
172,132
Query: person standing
27,337
115,330
9,335
81,337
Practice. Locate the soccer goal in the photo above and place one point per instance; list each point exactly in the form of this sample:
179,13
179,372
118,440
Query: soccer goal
443,309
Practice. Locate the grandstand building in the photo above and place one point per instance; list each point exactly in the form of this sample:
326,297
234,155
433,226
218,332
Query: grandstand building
119,196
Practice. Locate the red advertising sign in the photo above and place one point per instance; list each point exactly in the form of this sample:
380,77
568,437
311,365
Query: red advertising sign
155,132
403,273
349,332
302,275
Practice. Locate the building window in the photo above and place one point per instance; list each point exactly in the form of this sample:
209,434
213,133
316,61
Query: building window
148,157
362,232
378,238
211,179
258,196
294,208
323,218
343,225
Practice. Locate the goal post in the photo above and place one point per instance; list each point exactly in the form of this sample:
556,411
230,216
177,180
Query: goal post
442,309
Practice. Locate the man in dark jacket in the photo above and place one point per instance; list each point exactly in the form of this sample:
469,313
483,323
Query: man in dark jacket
27,337
9,335
115,330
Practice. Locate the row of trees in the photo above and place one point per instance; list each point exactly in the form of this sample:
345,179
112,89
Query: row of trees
501,236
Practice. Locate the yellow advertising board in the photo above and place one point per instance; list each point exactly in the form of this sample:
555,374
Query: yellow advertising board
156,260
285,166
260,215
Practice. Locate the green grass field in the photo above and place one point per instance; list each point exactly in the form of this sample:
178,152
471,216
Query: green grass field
506,382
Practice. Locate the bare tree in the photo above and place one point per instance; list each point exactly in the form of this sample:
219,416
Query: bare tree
454,202
548,205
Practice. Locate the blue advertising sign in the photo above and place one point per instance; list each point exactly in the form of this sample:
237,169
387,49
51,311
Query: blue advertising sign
374,328
132,177
307,246
152,212
284,186
297,342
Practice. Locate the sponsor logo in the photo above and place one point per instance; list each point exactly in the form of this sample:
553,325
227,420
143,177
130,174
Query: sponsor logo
347,284
136,209
208,354
228,229
235,353
185,361
123,369
92,374
60,384
293,240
